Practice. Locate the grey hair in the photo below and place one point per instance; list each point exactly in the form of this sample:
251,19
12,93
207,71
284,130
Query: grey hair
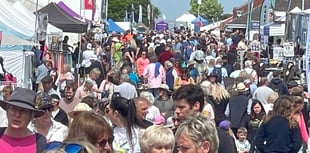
148,95
199,129
248,64
124,77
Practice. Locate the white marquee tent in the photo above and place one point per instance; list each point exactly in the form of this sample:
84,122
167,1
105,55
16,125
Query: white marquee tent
187,17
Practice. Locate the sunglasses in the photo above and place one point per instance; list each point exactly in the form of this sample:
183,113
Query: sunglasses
103,142
68,147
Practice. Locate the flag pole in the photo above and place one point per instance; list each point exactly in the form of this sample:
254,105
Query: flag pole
36,23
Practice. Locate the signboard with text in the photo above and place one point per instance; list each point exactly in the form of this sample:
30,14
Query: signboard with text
288,49
278,52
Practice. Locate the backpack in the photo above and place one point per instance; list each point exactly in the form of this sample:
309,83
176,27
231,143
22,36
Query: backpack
41,141
275,88
217,71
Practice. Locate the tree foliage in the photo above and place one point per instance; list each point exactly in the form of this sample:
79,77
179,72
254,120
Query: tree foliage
209,9
117,9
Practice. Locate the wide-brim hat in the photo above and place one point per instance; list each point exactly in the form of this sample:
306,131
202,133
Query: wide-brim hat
23,98
43,101
240,87
78,108
115,39
199,55
164,86
192,62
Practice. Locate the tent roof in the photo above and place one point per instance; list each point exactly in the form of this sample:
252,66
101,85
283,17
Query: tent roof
62,20
307,11
114,27
187,17
68,10
12,40
199,18
296,10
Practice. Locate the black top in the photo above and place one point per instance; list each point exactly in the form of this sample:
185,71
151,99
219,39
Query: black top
276,136
62,117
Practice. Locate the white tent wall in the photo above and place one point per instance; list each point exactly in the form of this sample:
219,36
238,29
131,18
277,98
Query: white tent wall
277,29
10,17
19,63
21,20
30,18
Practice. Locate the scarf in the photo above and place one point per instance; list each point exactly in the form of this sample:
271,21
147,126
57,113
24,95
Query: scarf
303,128
156,72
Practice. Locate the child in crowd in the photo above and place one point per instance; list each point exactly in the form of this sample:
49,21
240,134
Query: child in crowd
242,144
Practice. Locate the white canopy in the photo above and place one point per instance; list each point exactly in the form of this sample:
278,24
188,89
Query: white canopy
20,20
30,17
187,17
12,40
307,11
296,10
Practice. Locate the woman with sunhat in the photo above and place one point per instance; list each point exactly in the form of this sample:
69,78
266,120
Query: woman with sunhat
20,111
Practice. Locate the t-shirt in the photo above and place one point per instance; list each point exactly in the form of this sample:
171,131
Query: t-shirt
18,145
243,146
121,141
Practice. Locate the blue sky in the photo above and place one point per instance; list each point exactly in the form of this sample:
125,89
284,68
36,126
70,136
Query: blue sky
175,8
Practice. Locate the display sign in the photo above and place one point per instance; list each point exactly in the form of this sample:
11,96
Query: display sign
278,52
288,49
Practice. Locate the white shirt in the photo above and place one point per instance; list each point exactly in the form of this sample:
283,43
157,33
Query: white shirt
153,112
121,140
57,131
208,112
86,57
3,118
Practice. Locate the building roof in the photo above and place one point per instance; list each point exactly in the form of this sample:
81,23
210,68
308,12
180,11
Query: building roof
243,18
281,5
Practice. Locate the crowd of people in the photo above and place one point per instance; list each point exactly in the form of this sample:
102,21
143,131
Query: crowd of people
157,92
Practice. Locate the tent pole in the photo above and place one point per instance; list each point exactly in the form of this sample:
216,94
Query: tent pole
36,23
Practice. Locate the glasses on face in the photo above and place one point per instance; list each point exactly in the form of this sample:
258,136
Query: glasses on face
68,147
104,142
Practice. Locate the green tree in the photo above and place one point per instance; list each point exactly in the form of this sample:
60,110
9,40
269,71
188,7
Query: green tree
209,9
117,9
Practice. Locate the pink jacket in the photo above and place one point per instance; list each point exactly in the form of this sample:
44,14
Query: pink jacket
149,75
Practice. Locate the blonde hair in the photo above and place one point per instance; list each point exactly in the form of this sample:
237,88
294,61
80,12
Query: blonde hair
156,135
218,92
95,71
272,97
199,129
283,107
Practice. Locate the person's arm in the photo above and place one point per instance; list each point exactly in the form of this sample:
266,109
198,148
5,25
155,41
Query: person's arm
163,74
176,84
249,106
137,52
260,139
296,140
227,110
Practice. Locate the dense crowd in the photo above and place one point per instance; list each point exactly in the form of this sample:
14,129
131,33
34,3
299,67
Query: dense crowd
158,92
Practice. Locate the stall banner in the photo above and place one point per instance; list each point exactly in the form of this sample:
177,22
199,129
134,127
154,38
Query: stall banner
308,58
288,49
278,52
0,39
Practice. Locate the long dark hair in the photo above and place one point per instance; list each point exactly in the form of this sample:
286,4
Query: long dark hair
261,115
127,109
